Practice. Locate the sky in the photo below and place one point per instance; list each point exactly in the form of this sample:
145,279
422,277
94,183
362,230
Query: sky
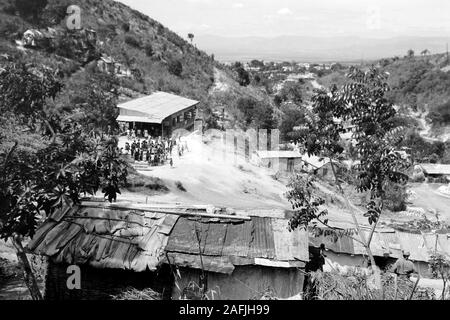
317,18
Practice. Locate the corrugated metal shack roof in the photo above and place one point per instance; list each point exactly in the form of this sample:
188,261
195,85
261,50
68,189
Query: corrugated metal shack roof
438,169
264,154
108,236
155,107
385,243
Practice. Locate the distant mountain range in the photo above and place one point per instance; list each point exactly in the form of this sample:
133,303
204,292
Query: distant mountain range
315,49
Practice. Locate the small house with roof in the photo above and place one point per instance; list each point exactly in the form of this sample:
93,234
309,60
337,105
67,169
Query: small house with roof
160,113
283,161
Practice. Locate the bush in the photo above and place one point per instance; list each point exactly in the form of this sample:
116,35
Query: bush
441,114
132,41
180,186
175,67
395,197
149,50
126,27
243,75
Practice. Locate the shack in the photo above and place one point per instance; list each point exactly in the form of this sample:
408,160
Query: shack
284,161
387,246
320,166
160,113
436,171
122,245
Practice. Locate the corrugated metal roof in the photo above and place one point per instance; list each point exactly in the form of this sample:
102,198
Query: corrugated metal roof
334,243
156,107
282,236
386,243
314,161
143,119
415,244
432,168
116,237
259,239
107,238
263,154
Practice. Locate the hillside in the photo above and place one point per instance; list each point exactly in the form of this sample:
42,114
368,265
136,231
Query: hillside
157,58
420,88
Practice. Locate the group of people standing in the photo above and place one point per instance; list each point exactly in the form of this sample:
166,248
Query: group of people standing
155,151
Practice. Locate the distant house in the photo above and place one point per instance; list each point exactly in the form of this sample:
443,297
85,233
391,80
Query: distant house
288,69
121,245
109,65
106,64
33,38
283,161
320,166
436,171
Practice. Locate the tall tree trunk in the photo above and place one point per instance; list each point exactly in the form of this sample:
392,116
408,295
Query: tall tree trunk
377,271
30,279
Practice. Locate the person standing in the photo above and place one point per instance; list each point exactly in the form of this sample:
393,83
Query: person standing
404,267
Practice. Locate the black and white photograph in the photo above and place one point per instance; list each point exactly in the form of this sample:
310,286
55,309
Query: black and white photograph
201,151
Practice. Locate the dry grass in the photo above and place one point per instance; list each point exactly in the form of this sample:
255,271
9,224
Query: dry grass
334,286
135,294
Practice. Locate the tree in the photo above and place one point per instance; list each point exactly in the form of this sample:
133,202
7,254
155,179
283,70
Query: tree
132,41
47,160
191,37
293,116
176,68
292,92
410,53
256,113
99,103
425,52
243,75
440,267
361,102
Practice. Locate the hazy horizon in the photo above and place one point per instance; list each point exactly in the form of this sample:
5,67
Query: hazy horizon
419,25
269,18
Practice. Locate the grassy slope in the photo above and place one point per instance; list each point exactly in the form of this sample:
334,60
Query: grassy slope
114,23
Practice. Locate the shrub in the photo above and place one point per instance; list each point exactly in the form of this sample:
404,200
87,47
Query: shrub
132,41
126,27
30,8
148,50
180,186
395,197
175,67
243,75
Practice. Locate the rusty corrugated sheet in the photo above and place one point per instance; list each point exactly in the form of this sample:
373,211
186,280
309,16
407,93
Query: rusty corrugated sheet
333,243
262,245
444,242
392,243
415,244
183,237
105,237
238,239
138,240
221,264
298,250
437,243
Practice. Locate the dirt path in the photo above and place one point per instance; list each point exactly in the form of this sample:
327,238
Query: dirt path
429,199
